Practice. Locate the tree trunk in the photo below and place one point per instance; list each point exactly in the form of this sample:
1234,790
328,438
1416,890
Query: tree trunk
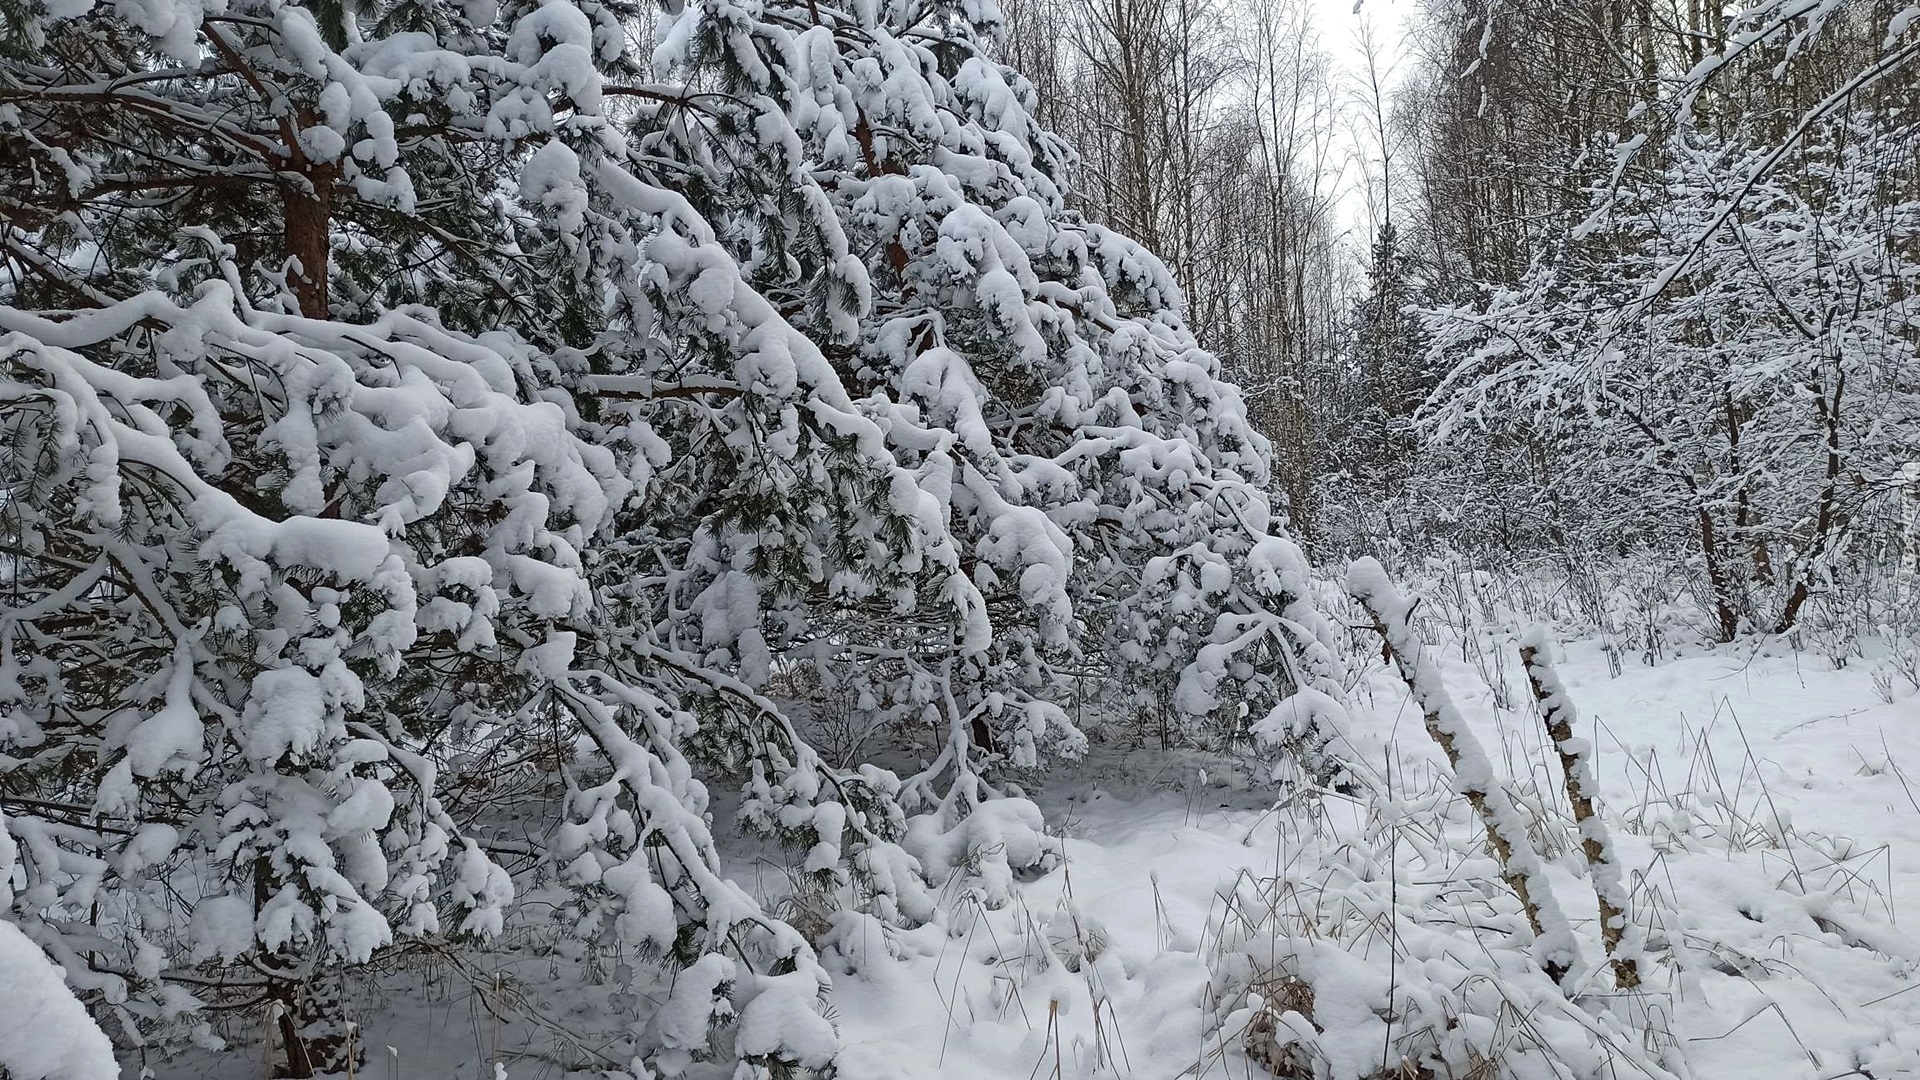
1556,712
1724,611
1827,518
283,991
309,234
308,1015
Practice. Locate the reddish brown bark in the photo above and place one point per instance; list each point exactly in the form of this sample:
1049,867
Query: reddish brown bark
309,230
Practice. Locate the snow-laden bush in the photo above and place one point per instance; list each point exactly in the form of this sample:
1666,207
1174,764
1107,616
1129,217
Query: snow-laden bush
51,1035
512,409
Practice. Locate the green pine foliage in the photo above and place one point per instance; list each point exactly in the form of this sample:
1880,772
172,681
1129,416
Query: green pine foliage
420,417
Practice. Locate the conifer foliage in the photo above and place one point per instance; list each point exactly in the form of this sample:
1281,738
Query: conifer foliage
417,413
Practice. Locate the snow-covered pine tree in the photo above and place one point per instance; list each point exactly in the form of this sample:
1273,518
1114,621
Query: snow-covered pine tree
1393,370
296,573
1380,375
883,179
505,422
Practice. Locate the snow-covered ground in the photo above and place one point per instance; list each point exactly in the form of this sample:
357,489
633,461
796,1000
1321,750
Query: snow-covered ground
1767,808
1731,778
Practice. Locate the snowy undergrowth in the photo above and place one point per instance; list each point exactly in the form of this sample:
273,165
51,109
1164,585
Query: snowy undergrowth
1764,825
1175,923
1758,799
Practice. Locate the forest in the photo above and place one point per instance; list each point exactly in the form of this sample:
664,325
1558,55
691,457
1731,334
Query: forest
917,539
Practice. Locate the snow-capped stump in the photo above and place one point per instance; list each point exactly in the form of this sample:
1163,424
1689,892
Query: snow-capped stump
987,847
1301,728
781,1023
1282,1033
1075,938
681,1027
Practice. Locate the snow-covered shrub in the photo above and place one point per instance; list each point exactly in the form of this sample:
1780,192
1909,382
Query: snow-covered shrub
514,407
1399,952
1351,969
1350,964
1396,949
1727,389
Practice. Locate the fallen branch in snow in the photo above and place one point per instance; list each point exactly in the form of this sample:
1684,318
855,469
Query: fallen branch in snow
1473,776
1558,714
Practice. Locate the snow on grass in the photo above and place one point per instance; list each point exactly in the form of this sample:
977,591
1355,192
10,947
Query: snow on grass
1764,826
1763,805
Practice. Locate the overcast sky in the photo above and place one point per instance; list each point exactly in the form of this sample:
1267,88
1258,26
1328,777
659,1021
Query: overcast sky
1339,27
